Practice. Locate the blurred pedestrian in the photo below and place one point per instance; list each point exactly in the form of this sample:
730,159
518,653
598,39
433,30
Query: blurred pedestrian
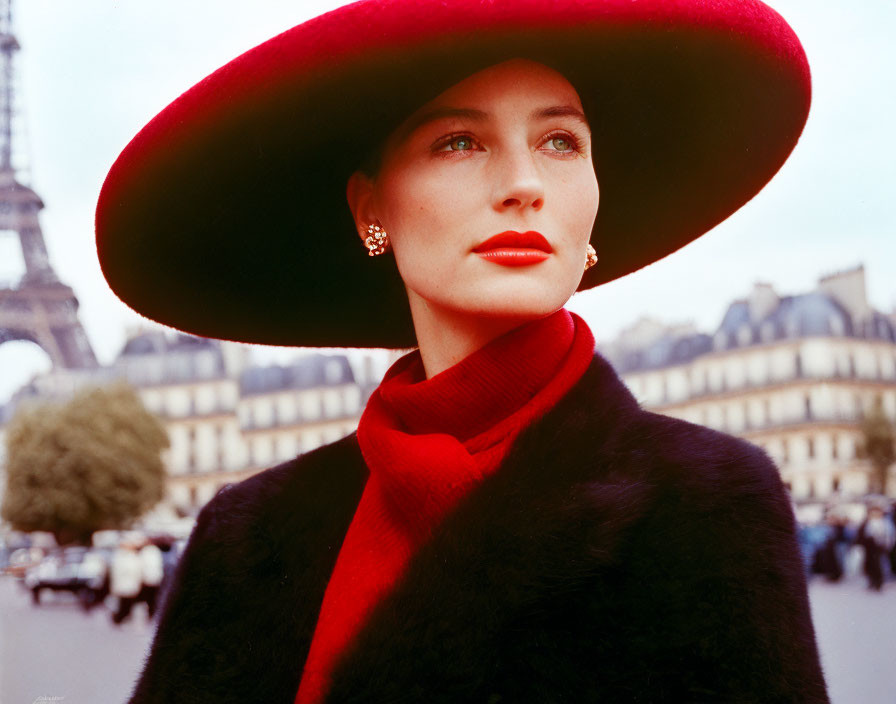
878,537
893,549
95,572
170,556
830,555
152,568
126,579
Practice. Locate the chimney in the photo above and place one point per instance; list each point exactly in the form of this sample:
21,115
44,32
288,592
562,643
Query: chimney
848,289
762,301
642,333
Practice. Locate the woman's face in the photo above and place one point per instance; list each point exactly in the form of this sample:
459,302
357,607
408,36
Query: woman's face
506,149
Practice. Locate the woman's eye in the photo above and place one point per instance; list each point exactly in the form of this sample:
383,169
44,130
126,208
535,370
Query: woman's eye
458,144
560,144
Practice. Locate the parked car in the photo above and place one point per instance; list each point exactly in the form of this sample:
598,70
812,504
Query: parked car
78,570
23,559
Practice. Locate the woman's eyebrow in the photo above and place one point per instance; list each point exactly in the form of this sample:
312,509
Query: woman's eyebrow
561,111
415,122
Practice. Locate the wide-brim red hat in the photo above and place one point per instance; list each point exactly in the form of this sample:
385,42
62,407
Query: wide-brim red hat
226,216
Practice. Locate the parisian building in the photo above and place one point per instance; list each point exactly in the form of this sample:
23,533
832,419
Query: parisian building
226,419
793,374
287,410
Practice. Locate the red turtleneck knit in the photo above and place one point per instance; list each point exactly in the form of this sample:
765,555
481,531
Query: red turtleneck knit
426,443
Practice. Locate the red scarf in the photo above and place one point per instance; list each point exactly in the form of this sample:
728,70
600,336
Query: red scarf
427,442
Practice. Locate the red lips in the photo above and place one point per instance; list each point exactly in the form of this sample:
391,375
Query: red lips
524,240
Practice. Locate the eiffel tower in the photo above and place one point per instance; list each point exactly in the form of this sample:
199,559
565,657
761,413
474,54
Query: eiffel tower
38,307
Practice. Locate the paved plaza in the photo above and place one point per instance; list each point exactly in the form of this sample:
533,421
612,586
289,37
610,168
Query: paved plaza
61,654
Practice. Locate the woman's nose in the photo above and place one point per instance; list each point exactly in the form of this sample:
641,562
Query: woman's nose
520,184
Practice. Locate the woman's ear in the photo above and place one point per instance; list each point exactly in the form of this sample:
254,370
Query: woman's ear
359,192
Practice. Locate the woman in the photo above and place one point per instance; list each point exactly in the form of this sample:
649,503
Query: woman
506,525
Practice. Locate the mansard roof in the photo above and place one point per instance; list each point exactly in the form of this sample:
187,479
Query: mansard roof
314,370
154,357
804,315
667,351
157,342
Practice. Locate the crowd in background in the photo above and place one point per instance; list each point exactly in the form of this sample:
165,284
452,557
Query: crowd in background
139,568
839,546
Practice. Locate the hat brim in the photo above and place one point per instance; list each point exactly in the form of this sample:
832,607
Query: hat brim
226,215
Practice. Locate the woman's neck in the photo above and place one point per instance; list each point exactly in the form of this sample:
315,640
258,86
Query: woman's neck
446,337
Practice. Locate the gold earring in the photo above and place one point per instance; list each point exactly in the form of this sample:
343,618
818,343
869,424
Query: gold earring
376,241
590,257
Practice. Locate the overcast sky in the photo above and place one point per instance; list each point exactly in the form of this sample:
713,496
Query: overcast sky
91,73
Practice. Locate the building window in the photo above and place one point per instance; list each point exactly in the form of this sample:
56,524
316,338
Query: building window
798,365
191,449
206,365
368,371
219,446
810,447
836,325
193,497
331,400
785,451
808,405
333,371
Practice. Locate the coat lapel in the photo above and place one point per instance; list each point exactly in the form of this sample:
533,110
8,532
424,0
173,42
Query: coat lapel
541,524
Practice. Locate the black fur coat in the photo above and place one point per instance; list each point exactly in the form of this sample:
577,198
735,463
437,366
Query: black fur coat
616,555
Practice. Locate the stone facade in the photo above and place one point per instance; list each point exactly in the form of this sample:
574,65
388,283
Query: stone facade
792,374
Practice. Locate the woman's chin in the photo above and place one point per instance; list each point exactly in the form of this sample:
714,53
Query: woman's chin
518,297
521,305
531,297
